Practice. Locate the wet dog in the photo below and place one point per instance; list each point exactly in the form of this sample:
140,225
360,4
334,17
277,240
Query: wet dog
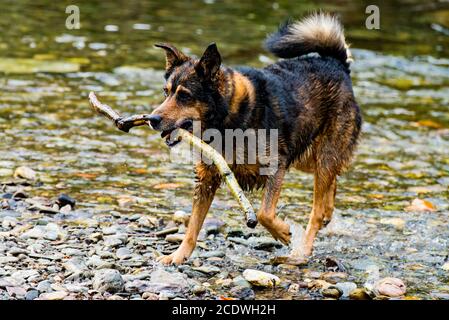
307,98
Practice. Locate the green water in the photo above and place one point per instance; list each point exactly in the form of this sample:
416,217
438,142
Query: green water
401,80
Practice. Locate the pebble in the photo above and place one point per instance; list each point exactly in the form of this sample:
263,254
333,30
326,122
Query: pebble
9,222
260,278
181,217
198,289
44,286
390,287
175,238
209,270
334,277
123,253
64,200
150,296
263,243
32,294
25,173
359,294
331,292
242,293
108,280
346,288
148,222
240,281
57,295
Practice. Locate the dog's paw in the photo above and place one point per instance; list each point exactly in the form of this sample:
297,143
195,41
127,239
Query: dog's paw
178,257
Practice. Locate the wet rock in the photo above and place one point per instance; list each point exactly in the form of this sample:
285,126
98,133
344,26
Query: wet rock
150,296
9,222
389,287
123,253
420,205
331,292
260,278
147,222
346,288
161,280
332,264
108,280
318,284
240,281
263,243
64,200
126,201
44,286
17,292
175,238
32,294
198,289
75,265
212,225
334,277
359,294
242,293
25,173
181,217
209,270
57,295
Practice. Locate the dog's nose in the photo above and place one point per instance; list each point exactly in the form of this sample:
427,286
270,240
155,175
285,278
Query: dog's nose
155,120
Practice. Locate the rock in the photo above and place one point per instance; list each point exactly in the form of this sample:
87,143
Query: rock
65,209
25,173
240,281
263,243
44,286
260,278
389,287
332,264
445,266
212,225
31,294
126,201
398,223
331,292
181,217
175,238
9,222
17,292
6,260
57,295
318,284
150,296
161,280
421,206
334,277
209,270
114,240
64,200
242,293
198,289
123,253
346,288
75,265
359,294
108,280
147,222
50,232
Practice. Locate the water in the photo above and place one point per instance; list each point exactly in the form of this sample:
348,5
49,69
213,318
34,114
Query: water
401,80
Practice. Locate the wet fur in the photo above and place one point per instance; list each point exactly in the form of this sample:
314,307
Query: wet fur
309,99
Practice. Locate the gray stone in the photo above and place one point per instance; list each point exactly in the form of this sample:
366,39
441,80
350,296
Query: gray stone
108,280
32,294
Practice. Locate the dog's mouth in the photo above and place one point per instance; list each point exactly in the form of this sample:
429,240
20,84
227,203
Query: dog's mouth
173,141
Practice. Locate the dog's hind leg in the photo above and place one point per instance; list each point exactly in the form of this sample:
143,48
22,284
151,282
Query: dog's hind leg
207,185
267,212
323,206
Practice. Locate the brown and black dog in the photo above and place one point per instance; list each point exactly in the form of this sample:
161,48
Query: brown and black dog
307,98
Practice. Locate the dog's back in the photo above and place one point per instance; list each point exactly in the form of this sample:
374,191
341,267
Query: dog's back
308,98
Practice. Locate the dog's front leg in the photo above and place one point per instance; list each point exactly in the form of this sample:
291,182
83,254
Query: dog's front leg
207,185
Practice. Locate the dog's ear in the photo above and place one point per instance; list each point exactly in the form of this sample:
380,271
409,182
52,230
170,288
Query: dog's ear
209,64
173,56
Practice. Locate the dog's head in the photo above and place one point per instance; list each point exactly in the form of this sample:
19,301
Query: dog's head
192,91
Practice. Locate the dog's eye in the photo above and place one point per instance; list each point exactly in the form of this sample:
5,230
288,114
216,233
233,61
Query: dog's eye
184,96
166,92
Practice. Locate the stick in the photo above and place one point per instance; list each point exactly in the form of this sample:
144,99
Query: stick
126,123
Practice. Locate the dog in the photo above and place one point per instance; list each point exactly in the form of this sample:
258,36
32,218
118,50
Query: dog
306,95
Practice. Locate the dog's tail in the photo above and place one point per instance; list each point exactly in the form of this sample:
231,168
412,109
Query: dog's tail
319,32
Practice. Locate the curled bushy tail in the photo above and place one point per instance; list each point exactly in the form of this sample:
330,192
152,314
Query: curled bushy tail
318,32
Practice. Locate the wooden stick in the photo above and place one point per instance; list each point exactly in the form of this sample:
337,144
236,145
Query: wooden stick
125,124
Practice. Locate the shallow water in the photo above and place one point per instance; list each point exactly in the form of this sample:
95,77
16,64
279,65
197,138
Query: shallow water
401,80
